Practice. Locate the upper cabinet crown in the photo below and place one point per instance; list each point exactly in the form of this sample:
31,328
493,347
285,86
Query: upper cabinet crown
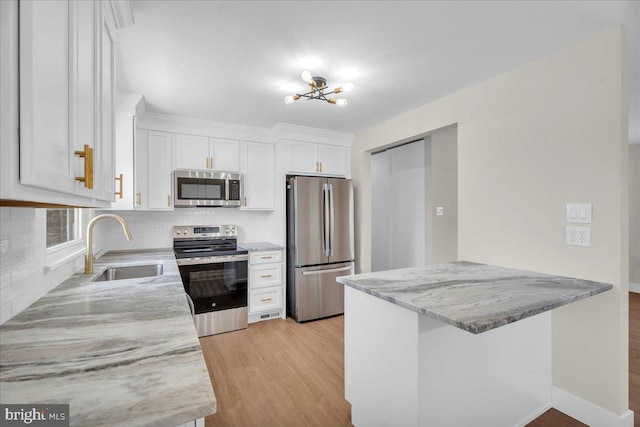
200,152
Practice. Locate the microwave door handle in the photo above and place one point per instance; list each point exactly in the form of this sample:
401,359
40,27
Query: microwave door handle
226,189
325,219
332,228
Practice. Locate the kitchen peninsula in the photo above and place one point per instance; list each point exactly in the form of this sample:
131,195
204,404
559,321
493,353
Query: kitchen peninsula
437,345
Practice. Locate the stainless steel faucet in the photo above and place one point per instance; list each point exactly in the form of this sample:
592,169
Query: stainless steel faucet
88,259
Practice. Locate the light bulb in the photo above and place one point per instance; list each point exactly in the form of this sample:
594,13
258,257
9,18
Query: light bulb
348,87
289,99
341,102
306,76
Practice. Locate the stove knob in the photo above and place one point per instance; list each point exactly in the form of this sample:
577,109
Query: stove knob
177,231
226,230
185,231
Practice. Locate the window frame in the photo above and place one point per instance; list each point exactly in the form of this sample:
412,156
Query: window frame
60,254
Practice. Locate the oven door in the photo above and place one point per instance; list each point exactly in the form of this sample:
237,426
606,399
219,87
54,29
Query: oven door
215,286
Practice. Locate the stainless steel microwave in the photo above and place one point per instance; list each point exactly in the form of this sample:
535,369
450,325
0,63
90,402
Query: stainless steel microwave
197,188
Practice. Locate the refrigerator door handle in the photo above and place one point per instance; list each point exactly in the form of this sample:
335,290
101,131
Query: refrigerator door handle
332,227
326,244
333,270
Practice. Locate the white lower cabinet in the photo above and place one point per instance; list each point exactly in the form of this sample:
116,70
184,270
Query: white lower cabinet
266,285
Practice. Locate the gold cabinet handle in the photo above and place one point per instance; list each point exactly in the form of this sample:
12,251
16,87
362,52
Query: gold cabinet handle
119,193
316,166
266,257
265,299
169,200
139,199
320,166
245,201
211,162
265,276
87,155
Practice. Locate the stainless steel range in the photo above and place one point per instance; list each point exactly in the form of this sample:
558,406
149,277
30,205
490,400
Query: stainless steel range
214,274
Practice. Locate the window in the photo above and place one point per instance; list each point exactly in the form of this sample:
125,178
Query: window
63,225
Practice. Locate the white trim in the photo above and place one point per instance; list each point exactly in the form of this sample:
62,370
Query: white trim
121,13
193,126
634,287
285,131
586,412
535,414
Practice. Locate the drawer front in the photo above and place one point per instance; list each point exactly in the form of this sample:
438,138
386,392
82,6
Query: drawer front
265,275
265,299
265,257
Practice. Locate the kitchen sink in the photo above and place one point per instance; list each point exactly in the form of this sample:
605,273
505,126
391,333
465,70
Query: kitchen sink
129,272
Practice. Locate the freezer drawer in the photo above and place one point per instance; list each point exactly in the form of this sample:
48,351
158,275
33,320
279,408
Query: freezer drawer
316,293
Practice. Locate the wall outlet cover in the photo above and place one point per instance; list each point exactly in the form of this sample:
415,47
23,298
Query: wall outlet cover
440,210
578,236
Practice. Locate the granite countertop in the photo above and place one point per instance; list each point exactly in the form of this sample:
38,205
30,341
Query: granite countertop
119,352
473,297
260,246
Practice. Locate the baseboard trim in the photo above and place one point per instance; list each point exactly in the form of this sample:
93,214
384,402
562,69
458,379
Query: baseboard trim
535,414
634,287
586,412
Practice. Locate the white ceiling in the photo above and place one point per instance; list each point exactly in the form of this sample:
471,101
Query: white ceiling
235,61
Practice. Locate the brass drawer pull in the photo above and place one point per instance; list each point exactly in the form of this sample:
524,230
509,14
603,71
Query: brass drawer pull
320,166
87,155
266,257
265,299
169,200
265,276
139,197
119,193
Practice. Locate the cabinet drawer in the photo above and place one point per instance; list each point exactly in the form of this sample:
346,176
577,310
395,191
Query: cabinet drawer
265,299
265,275
265,257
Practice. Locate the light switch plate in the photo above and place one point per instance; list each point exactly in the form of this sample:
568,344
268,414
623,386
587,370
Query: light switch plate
439,210
578,236
579,213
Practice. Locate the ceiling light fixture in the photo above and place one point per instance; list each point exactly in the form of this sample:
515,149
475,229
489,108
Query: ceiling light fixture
318,90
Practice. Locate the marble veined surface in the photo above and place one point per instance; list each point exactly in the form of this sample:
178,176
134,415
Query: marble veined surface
473,297
120,353
260,246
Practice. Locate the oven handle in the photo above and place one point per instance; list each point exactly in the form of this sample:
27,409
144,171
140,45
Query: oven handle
191,306
212,259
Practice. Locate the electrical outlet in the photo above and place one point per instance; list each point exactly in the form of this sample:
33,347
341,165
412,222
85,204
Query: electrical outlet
578,236
439,210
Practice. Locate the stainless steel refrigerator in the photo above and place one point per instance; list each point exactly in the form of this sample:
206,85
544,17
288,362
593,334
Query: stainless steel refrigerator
319,245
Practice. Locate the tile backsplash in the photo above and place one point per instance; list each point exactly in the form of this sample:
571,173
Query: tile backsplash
23,260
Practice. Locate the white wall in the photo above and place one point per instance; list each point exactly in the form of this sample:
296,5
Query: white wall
442,190
634,215
155,229
24,277
531,140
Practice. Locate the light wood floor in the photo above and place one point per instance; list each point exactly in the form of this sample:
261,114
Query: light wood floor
281,373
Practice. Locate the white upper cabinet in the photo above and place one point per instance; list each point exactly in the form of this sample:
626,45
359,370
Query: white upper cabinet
192,152
317,159
200,152
153,171
67,81
258,163
225,154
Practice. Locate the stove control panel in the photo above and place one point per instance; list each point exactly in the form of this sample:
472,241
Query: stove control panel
204,231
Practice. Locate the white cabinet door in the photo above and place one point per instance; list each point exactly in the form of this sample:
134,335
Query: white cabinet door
303,157
258,175
46,149
153,170
105,167
64,100
159,160
333,160
225,155
192,152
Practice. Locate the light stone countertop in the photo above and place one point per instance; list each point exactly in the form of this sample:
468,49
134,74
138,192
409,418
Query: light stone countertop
261,246
119,352
473,297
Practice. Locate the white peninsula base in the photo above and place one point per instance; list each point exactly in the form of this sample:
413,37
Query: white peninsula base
403,368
